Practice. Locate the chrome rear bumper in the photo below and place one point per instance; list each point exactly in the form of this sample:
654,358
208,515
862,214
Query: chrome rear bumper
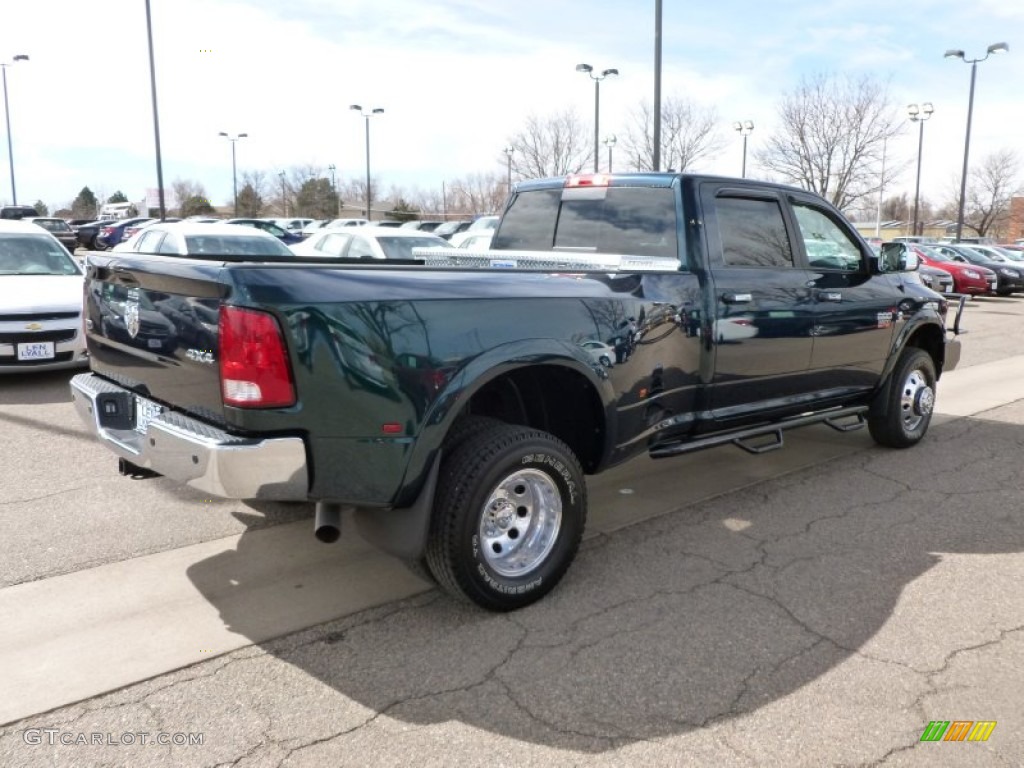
194,453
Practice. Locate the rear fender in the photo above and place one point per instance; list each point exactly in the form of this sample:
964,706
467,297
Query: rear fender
475,376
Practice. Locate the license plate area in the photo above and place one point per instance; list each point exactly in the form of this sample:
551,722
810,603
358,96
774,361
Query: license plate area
36,350
145,412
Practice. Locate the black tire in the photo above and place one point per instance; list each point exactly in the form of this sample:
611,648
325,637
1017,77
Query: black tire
902,410
466,427
533,487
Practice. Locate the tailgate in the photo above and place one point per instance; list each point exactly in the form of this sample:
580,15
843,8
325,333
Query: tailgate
151,326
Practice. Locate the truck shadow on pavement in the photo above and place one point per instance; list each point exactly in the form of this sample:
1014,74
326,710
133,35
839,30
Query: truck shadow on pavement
691,618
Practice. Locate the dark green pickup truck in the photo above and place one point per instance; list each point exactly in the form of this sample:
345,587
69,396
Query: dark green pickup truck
459,401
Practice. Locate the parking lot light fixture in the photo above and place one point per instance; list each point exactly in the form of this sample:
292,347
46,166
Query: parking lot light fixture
508,157
744,128
7,117
334,185
234,167
956,53
919,115
367,115
597,78
610,141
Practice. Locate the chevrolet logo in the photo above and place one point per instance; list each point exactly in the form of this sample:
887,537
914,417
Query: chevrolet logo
33,327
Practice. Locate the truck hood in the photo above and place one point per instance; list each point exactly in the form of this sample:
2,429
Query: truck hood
27,294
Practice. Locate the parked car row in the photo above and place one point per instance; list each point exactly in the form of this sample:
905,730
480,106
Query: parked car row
975,269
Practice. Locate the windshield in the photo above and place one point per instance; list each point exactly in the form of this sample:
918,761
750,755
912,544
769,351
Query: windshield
25,254
234,245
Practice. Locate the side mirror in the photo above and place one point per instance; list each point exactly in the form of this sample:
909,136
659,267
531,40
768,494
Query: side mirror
897,257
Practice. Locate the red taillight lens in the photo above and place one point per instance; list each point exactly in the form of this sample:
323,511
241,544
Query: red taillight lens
107,231
254,368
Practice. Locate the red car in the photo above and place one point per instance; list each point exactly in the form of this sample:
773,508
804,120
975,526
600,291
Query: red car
967,278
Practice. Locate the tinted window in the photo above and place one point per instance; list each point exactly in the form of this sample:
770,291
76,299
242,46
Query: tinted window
753,233
616,220
826,244
529,225
53,225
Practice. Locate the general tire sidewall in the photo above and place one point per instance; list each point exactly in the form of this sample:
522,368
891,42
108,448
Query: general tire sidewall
472,567
917,359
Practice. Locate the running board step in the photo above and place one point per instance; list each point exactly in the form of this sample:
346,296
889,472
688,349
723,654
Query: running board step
837,419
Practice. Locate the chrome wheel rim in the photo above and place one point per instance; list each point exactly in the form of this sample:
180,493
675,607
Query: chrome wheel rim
917,399
519,522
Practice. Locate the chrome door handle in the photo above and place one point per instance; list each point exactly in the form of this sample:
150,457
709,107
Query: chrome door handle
737,298
828,295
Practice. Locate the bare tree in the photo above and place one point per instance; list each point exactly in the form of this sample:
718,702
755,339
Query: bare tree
192,198
477,193
550,146
687,135
832,137
989,190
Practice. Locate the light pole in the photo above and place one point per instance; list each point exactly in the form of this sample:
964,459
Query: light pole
234,167
919,115
609,141
744,128
284,195
508,157
334,186
954,53
7,115
367,116
597,104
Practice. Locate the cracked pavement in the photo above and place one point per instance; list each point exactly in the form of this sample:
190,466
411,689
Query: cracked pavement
822,617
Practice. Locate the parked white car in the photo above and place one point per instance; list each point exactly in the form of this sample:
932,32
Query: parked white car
185,238
366,242
40,302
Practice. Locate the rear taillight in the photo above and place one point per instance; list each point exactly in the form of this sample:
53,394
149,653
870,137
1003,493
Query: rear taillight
254,369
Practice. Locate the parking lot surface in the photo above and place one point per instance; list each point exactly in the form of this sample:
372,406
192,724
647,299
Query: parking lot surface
820,605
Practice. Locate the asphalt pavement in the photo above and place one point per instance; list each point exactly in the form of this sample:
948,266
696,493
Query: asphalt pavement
819,605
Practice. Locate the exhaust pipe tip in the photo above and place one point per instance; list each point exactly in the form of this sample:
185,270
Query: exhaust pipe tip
327,523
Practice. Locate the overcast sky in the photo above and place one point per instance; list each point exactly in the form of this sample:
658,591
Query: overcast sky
457,77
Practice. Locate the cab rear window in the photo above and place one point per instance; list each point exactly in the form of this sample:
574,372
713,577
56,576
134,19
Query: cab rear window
613,220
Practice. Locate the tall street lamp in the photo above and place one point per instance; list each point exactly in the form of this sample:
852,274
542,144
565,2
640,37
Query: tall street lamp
609,141
597,104
334,186
7,115
919,115
508,157
234,167
745,128
954,53
367,116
